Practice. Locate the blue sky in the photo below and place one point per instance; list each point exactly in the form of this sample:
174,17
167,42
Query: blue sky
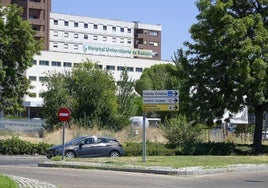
175,16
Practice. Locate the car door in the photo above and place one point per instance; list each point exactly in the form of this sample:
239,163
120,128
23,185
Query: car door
100,147
86,148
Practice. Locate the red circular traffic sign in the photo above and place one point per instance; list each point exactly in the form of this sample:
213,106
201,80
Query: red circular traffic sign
64,114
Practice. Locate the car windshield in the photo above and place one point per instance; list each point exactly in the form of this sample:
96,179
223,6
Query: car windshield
74,141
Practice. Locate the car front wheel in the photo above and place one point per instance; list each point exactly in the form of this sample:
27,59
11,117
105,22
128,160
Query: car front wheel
114,154
69,154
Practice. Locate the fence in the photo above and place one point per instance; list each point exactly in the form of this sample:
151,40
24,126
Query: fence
21,125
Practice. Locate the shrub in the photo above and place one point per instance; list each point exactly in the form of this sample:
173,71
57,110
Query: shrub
15,146
179,133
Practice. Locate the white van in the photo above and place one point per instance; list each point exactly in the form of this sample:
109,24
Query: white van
137,121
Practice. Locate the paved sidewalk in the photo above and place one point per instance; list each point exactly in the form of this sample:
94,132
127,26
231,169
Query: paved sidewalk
30,183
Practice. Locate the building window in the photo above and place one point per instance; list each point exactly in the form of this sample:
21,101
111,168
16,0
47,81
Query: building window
128,30
153,43
56,63
121,40
66,23
75,24
56,22
32,78
65,46
120,68
67,64
114,28
153,33
129,41
113,39
66,34
76,36
44,62
104,27
104,38
122,29
34,62
85,36
110,67
130,69
42,78
100,66
85,25
55,45
95,37
75,47
138,69
95,26
55,33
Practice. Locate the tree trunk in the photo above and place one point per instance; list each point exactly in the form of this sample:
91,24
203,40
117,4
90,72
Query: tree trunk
257,142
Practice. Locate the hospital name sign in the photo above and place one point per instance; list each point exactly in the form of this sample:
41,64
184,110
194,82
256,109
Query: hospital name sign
115,51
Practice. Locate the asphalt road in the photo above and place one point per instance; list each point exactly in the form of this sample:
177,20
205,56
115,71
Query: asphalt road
81,178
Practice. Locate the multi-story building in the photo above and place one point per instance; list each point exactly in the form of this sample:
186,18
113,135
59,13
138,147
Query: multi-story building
70,39
37,13
76,34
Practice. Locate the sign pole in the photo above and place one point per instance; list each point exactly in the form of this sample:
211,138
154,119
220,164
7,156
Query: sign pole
64,115
144,140
63,138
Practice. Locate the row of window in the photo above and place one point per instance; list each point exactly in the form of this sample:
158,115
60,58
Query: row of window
91,37
92,26
69,64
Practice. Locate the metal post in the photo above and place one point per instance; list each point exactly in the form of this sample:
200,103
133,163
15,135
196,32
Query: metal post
144,140
63,138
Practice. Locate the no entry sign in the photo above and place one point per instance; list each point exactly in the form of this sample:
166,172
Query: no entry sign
64,114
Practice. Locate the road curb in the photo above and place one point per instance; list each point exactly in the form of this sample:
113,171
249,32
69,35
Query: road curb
155,170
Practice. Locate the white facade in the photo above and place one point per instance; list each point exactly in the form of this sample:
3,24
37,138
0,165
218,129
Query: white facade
76,34
49,61
74,39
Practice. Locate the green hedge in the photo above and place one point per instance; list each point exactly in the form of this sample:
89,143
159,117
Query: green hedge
16,146
209,148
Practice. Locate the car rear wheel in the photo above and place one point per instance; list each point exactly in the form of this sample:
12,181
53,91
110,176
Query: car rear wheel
114,154
69,154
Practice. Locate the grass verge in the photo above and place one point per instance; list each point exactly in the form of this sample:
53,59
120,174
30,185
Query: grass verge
179,161
7,182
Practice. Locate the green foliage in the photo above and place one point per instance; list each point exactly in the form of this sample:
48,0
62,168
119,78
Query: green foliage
197,148
158,77
15,146
126,96
17,48
7,182
152,149
90,93
226,62
179,133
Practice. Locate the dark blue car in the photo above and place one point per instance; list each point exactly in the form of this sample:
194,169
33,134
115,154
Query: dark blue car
88,146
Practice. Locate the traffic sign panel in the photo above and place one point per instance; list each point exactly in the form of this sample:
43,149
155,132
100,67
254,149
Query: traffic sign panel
64,114
166,100
160,93
160,107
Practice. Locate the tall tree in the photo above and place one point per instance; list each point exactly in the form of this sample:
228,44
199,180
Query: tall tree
226,65
88,91
126,95
17,48
158,77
